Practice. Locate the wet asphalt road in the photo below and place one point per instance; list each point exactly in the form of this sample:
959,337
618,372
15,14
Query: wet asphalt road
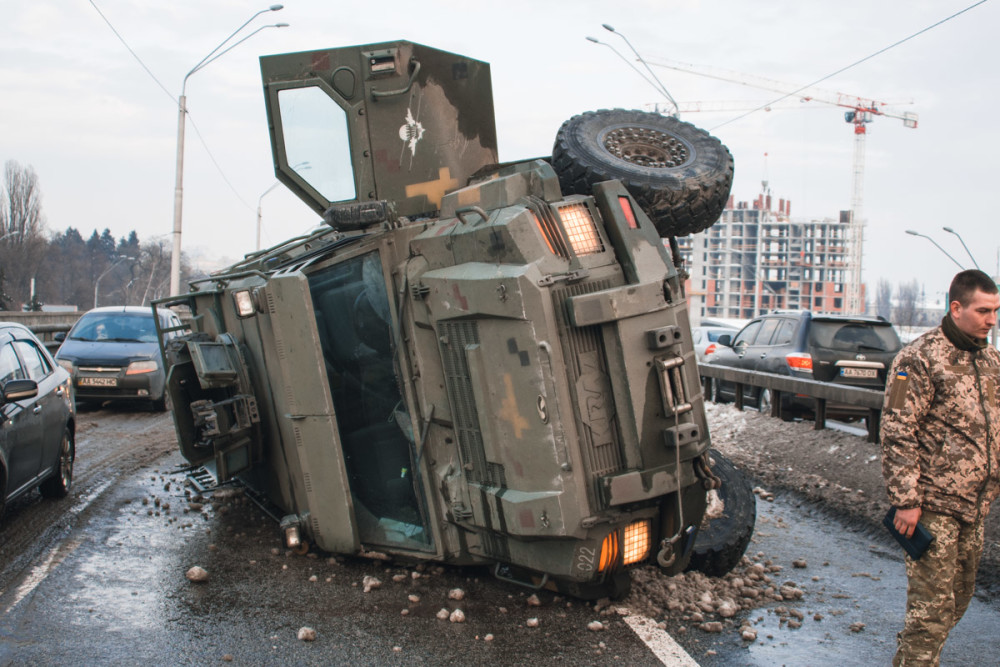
105,585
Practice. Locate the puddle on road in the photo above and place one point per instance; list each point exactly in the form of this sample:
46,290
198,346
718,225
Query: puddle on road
850,578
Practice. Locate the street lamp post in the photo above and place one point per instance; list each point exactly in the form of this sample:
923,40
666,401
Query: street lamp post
913,233
952,231
260,201
295,167
175,258
97,284
652,79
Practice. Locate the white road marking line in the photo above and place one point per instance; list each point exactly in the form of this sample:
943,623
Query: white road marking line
660,642
57,554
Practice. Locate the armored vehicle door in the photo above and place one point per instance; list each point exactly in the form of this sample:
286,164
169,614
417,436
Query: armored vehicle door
354,320
397,122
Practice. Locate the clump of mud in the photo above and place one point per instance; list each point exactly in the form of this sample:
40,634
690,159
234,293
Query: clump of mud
711,603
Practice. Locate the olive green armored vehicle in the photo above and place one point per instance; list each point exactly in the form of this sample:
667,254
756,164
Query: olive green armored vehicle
470,362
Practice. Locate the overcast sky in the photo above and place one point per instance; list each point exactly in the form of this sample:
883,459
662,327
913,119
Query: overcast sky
101,132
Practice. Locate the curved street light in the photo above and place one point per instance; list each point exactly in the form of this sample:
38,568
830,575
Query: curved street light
214,54
913,233
295,167
952,231
652,79
113,265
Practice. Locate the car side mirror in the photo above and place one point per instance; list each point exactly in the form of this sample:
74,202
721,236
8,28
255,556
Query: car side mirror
18,390
725,339
59,337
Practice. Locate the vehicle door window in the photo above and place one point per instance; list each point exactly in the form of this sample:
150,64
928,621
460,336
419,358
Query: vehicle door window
353,316
766,332
10,367
785,331
34,361
748,334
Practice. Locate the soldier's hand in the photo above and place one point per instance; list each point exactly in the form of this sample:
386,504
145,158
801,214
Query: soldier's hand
905,521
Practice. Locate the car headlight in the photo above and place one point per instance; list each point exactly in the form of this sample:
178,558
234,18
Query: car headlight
67,364
138,367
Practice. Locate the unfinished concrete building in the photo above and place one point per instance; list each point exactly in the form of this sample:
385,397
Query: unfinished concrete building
757,259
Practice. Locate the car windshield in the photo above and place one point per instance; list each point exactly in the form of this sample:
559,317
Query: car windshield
854,337
115,327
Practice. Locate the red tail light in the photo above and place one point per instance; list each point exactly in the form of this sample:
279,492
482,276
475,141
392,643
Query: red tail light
800,361
710,349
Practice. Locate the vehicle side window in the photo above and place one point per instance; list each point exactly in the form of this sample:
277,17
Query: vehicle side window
747,335
34,361
785,331
10,367
766,332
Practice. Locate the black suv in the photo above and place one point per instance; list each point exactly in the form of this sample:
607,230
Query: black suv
840,349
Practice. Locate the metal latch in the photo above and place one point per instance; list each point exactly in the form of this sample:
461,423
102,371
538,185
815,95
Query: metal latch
672,386
571,277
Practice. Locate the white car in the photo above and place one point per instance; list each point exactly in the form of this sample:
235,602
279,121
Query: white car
705,339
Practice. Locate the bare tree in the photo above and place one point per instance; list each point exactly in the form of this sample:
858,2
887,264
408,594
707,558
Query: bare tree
883,298
22,241
907,314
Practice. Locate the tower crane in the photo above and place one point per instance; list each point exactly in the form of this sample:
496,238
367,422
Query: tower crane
860,112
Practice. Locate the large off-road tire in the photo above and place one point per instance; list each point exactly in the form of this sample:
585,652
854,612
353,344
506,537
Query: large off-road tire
679,174
719,546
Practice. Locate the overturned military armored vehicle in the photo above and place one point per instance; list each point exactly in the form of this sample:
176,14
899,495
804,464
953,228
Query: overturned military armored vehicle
472,363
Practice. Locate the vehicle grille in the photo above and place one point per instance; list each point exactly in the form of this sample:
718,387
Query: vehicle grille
458,381
584,353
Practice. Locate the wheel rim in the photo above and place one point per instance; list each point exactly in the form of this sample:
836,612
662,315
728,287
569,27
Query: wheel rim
646,147
66,462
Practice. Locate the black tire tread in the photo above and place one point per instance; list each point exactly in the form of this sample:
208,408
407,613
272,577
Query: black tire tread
719,547
679,201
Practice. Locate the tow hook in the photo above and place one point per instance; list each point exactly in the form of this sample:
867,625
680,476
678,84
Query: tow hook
666,556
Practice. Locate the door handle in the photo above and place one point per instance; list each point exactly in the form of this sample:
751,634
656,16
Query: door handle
35,410
763,356
59,391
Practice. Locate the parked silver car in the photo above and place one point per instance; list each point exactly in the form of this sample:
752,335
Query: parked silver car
113,355
706,339
37,418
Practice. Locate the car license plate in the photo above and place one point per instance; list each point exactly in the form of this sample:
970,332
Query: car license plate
98,382
849,372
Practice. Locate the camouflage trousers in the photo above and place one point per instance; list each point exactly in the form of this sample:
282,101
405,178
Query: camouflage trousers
940,588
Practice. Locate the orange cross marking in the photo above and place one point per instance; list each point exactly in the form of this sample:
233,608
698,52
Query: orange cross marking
508,408
434,190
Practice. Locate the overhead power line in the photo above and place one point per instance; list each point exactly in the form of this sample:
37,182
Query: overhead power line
201,139
854,64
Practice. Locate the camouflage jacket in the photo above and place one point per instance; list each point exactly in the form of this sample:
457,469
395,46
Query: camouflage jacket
941,428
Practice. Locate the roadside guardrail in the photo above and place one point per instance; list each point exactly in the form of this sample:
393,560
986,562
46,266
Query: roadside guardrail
820,392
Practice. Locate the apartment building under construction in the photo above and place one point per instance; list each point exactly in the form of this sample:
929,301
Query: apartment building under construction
756,259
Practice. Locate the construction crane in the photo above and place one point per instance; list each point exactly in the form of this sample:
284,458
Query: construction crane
861,111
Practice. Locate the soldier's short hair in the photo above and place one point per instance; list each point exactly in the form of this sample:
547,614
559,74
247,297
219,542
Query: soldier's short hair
965,283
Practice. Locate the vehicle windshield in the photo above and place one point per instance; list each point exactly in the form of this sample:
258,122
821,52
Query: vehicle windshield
854,337
115,327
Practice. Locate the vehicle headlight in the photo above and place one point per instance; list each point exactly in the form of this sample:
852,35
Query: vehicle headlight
67,364
139,367
637,542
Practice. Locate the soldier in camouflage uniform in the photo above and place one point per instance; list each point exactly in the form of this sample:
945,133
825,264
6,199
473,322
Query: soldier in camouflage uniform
940,451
